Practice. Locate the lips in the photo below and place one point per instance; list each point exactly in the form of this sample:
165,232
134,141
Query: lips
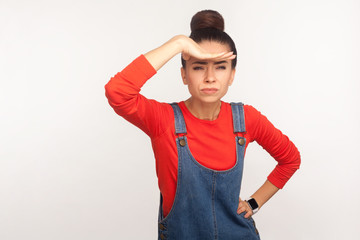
209,90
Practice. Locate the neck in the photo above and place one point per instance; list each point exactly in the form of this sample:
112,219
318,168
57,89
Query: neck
204,111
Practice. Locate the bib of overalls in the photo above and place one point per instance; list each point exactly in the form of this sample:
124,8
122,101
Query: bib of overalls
206,200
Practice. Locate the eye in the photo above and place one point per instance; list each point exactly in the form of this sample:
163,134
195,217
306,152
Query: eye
221,67
198,68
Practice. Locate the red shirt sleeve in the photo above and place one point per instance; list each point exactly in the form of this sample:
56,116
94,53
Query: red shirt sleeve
276,144
123,93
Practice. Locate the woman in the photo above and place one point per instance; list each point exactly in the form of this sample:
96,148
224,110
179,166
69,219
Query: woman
199,144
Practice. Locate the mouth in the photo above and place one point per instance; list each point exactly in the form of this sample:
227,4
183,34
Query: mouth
209,90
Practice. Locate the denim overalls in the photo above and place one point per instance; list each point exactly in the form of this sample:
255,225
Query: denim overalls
206,200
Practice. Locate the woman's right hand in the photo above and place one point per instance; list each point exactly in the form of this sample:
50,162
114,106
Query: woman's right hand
185,45
193,49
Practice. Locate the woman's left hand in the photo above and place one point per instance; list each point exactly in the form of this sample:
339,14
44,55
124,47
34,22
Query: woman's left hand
244,207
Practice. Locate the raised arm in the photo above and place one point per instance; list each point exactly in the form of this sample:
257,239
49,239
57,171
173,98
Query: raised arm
181,44
123,90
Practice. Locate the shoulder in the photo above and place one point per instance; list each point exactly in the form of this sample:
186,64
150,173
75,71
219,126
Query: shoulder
250,112
253,119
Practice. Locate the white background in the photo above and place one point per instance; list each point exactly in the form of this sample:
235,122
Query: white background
70,168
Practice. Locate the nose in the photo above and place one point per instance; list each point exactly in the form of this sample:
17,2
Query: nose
210,75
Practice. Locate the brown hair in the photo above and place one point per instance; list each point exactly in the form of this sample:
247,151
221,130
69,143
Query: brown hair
208,25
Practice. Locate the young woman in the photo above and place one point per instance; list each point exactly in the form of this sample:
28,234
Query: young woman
199,144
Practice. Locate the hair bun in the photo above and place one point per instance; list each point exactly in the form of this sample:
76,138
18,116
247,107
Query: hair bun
207,19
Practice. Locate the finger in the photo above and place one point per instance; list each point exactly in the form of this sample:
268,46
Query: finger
244,207
223,55
241,209
232,57
213,56
227,56
248,214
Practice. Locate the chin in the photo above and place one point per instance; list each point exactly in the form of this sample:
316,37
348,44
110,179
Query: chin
210,100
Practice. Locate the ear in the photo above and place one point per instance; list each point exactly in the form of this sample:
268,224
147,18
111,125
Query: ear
232,76
183,75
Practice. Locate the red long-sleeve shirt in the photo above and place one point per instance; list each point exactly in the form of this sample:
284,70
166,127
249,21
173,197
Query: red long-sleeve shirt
210,142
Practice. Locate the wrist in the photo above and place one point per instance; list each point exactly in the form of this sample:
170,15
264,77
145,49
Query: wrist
254,206
179,42
161,55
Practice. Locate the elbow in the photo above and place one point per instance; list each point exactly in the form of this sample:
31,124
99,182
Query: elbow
292,165
295,163
116,94
110,90
122,102
111,94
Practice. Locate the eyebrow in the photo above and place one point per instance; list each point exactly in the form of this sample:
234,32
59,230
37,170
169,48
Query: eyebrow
205,63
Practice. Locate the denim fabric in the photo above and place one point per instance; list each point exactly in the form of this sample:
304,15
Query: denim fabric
206,200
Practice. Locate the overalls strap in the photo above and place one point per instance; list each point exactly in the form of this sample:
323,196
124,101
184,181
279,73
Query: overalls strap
180,127
238,117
